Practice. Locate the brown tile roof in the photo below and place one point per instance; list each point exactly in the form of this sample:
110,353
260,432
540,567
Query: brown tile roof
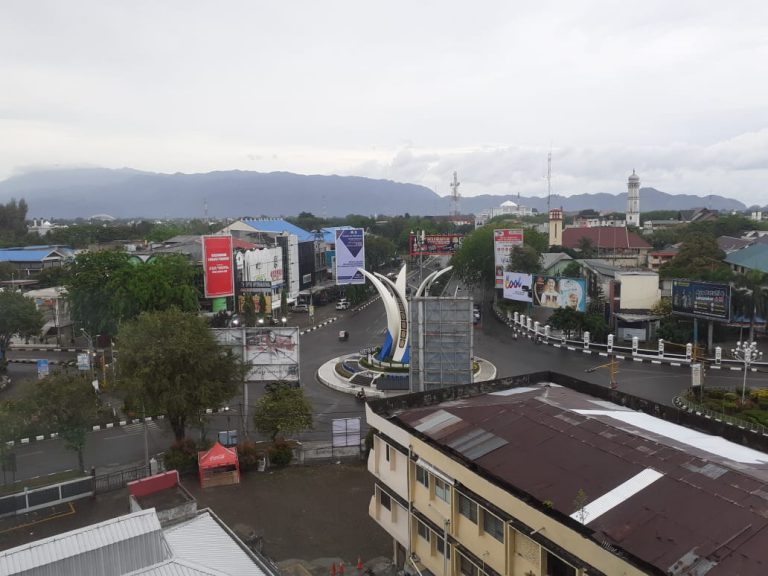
604,237
709,505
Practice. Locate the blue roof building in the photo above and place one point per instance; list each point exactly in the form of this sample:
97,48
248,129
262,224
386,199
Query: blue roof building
278,226
753,257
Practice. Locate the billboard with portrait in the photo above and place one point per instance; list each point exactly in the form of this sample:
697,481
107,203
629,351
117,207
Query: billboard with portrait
217,264
517,286
701,299
271,353
504,240
554,292
434,244
350,255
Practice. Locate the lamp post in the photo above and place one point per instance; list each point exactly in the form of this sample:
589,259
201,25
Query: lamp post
747,352
90,351
283,320
229,433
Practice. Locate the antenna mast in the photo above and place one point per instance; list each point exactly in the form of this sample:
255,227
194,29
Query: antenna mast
455,196
549,180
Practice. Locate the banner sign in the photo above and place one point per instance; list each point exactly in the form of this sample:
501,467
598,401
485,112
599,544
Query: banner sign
504,241
518,286
701,299
434,244
350,255
553,292
43,369
271,353
217,264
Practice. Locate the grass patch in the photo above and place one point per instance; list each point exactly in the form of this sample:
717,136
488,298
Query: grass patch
40,482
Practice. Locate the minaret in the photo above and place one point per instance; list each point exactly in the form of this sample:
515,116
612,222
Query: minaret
556,227
633,200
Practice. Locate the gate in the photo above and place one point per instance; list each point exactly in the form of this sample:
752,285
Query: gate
116,480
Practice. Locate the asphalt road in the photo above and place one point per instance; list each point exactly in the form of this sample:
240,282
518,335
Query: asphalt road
493,341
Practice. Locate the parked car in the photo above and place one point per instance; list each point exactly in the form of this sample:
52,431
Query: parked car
343,304
300,308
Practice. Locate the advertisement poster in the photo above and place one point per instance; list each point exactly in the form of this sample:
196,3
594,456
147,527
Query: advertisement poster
217,264
504,241
272,353
517,286
552,292
350,255
701,299
434,244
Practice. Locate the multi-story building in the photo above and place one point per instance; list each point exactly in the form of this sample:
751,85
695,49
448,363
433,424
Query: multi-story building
545,475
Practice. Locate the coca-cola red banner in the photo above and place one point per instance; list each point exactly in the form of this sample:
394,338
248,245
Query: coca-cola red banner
217,261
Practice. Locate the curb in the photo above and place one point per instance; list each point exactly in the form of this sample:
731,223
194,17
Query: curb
318,326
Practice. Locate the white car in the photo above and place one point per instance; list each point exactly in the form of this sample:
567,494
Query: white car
300,308
342,305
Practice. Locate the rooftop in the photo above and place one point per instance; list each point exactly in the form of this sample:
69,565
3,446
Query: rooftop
754,257
604,237
654,487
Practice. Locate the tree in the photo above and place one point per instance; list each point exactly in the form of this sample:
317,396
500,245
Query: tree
567,320
13,221
699,258
282,410
249,310
474,260
106,288
18,315
586,247
67,404
379,252
754,288
573,270
524,259
171,364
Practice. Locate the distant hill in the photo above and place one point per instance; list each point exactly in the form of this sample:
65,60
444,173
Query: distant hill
127,193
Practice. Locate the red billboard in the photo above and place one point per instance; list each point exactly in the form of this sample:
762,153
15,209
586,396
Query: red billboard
434,244
217,263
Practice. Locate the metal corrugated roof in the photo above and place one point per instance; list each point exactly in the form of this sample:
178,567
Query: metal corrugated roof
177,567
80,542
27,255
754,257
204,541
278,226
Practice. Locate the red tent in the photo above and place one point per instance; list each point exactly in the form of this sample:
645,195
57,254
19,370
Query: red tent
218,466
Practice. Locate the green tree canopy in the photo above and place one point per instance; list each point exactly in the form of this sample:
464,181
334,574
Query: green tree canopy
106,288
572,270
67,404
567,320
170,363
282,410
18,315
379,252
699,258
751,297
524,259
13,221
474,261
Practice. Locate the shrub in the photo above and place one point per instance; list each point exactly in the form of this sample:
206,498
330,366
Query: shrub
182,456
249,455
280,454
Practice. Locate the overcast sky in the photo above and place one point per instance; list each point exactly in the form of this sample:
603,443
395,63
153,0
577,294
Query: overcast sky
409,91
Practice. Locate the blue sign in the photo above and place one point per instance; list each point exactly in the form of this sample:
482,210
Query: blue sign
42,369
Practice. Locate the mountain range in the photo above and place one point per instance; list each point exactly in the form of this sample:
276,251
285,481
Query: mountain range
128,193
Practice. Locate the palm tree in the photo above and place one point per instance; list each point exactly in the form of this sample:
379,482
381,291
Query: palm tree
755,285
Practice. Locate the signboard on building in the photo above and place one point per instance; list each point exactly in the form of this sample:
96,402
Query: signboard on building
701,299
217,265
504,241
350,255
518,286
434,244
553,292
271,353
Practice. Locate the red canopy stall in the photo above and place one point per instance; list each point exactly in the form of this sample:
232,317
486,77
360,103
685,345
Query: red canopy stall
218,466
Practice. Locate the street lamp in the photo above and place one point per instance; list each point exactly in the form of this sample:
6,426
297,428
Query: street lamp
283,320
747,352
229,433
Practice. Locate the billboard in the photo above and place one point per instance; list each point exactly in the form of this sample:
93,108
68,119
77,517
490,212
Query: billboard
217,264
434,244
272,353
517,286
504,241
553,292
350,255
701,299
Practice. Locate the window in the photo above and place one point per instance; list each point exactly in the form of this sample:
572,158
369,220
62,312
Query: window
422,530
422,476
467,508
493,526
386,452
556,567
466,567
443,490
440,546
386,500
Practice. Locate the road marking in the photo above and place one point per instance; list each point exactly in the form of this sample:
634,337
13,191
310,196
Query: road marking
52,517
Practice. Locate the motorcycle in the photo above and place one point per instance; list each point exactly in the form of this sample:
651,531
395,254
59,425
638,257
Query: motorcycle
360,395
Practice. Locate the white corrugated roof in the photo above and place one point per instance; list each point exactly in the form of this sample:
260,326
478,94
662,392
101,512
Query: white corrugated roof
76,542
204,541
177,567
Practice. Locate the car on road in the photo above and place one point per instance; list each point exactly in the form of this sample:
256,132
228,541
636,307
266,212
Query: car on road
475,314
343,304
300,308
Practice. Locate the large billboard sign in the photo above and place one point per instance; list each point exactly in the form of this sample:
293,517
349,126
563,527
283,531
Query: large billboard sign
504,241
553,292
271,353
217,263
518,286
434,244
701,299
350,255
